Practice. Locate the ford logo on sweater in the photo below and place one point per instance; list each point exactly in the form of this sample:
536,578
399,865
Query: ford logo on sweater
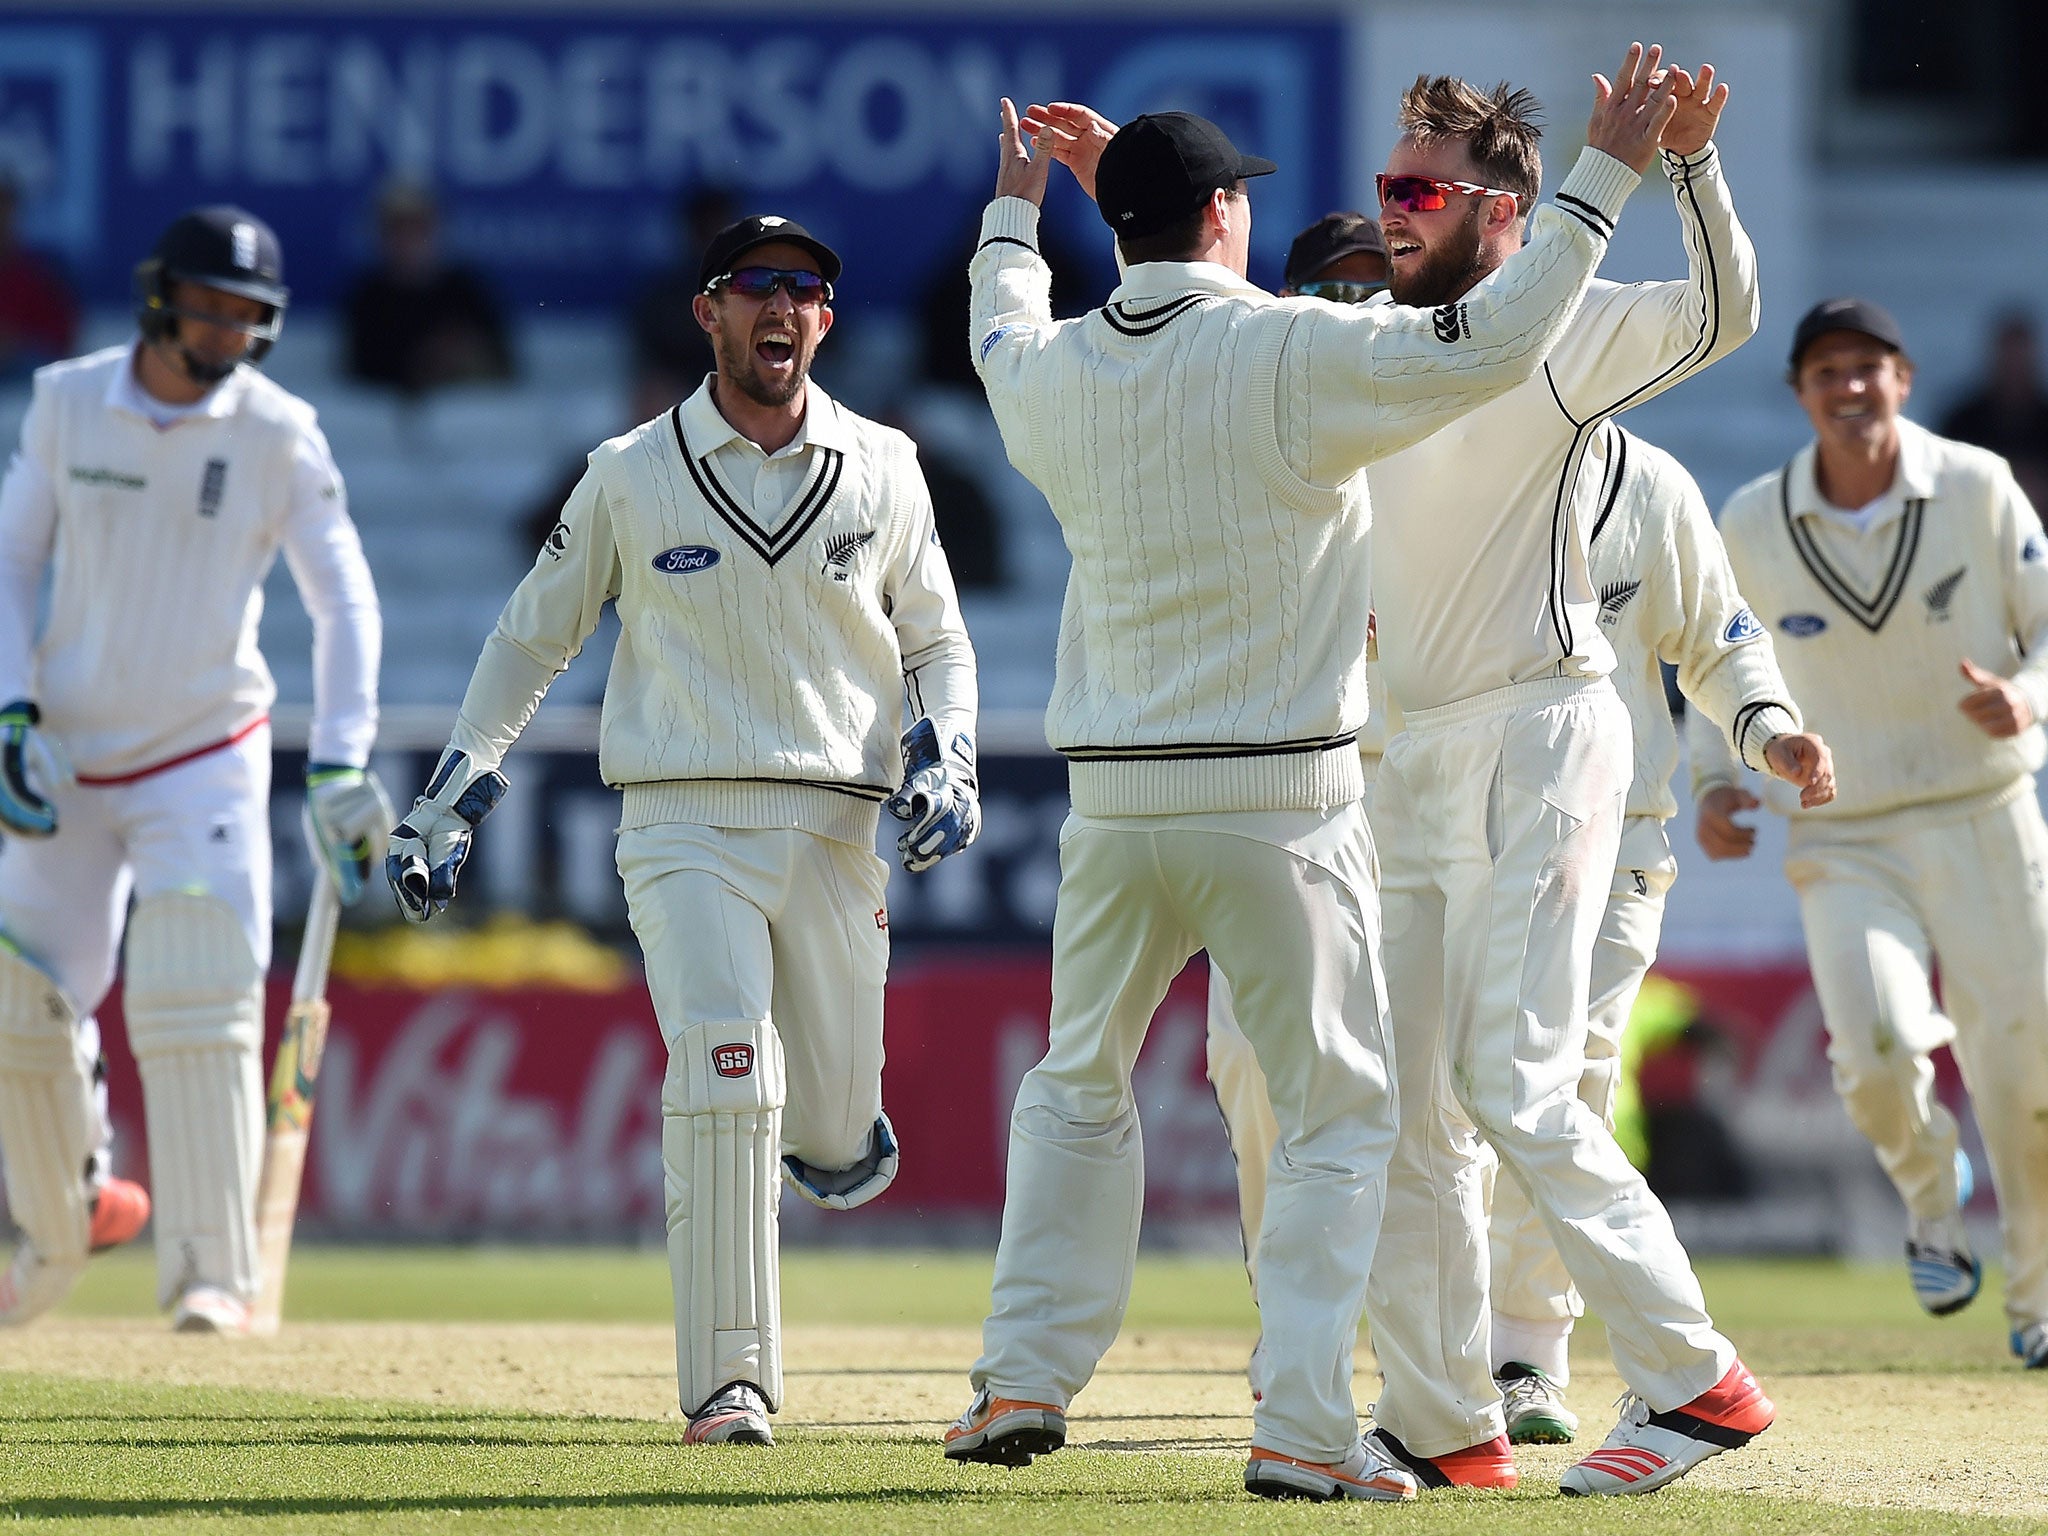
685,558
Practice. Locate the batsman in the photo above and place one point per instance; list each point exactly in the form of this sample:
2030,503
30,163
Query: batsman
156,483
779,586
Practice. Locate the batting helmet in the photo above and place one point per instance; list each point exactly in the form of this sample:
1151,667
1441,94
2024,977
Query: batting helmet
220,247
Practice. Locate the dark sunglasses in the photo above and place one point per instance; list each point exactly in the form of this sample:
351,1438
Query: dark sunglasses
1340,290
1425,194
760,282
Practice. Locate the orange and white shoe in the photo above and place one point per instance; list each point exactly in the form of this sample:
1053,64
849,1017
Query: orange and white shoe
1005,1431
1649,1449
1364,1474
735,1415
209,1309
120,1210
1489,1464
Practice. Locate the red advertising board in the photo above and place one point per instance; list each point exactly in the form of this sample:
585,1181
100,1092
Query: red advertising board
535,1113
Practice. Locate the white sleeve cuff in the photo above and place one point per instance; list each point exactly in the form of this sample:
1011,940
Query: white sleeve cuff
1010,221
1598,183
1765,723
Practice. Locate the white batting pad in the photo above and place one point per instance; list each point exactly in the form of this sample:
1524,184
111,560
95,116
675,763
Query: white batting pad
195,1022
48,1128
721,1128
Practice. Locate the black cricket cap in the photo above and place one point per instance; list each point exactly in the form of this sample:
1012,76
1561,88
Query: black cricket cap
1162,166
227,248
1331,238
1858,315
735,240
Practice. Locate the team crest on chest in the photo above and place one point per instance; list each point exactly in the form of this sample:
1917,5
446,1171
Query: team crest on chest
1614,597
842,550
1939,596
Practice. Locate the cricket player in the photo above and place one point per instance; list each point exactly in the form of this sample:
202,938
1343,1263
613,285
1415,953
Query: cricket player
1667,595
778,582
155,484
1200,442
1502,801
1906,580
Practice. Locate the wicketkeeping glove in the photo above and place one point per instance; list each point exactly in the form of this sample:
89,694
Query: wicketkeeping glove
428,847
28,759
347,816
939,798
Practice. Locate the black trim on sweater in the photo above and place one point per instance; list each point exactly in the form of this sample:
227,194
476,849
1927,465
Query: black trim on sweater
1186,751
1870,612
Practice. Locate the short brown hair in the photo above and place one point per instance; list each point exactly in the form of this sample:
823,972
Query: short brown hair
1499,129
1178,241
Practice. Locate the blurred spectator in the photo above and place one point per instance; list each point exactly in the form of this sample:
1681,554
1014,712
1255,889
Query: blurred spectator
416,321
2008,412
38,314
1670,1103
671,353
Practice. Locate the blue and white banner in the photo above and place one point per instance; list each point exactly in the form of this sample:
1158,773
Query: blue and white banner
557,141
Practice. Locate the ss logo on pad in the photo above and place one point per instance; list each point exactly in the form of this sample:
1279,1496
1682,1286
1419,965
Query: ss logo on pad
733,1060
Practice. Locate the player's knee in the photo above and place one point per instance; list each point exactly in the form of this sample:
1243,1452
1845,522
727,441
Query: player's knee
847,1174
37,1022
193,980
723,1067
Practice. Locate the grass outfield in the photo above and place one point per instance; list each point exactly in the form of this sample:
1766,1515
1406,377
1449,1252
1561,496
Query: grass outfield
432,1390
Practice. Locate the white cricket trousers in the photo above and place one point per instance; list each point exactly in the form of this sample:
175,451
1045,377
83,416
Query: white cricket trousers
203,825
1502,818
1530,1282
1284,903
787,931
1882,899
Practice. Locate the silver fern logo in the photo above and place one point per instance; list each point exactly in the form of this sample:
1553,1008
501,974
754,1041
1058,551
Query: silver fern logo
841,550
1942,593
1614,597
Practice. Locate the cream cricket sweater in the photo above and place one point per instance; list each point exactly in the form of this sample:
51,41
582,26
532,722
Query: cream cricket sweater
1200,442
1479,544
156,526
764,649
1667,594
1872,625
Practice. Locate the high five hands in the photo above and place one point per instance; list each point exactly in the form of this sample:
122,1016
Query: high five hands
1632,114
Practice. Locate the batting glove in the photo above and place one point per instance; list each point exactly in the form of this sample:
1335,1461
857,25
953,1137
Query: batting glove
428,848
939,798
347,816
28,758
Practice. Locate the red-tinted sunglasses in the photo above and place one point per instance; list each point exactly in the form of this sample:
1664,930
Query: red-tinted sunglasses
1425,194
759,282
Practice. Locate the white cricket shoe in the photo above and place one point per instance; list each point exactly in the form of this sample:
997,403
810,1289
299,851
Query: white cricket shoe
209,1309
1005,1431
735,1415
1945,1273
1364,1474
30,1287
1649,1449
1533,1405
2031,1345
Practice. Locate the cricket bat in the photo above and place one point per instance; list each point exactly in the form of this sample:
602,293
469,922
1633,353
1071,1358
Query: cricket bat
290,1116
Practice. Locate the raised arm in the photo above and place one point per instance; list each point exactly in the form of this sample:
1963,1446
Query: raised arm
1647,337
1010,312
1380,377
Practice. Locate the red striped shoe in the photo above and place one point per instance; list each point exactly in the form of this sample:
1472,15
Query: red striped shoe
1649,1449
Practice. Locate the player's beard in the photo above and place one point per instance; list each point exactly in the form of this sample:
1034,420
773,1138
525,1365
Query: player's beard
1447,270
736,361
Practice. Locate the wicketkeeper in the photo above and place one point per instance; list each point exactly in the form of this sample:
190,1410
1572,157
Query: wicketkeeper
779,584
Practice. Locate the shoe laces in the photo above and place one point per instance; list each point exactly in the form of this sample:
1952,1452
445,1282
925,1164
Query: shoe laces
1527,1391
1632,1410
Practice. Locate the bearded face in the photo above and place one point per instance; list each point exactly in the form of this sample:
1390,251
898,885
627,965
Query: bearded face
1431,266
